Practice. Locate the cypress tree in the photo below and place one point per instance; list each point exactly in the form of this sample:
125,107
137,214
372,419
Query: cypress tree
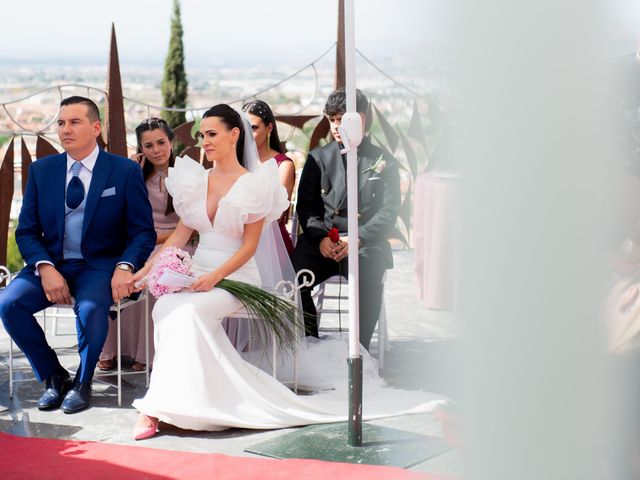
174,80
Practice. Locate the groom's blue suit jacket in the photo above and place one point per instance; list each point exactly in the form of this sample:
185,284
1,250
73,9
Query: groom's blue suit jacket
117,226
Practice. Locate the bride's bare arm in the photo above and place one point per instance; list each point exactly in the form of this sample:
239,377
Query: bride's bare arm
250,241
178,238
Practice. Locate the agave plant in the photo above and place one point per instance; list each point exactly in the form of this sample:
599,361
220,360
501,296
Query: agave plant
419,153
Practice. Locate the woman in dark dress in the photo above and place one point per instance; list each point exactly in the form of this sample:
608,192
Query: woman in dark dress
265,133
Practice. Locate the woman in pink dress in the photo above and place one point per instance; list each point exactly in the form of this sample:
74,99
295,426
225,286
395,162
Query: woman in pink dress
265,133
155,155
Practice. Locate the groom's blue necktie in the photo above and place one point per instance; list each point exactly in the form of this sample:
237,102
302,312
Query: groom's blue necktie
75,189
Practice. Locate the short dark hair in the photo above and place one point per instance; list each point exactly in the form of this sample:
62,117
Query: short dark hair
263,111
231,119
92,109
337,103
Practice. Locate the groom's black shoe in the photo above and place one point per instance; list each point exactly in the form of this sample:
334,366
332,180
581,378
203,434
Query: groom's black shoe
57,387
78,398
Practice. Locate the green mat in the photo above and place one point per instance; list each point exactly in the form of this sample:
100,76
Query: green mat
380,445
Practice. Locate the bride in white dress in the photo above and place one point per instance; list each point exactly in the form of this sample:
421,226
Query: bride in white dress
199,380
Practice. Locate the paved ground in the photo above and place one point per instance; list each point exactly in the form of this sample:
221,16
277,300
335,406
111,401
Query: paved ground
420,344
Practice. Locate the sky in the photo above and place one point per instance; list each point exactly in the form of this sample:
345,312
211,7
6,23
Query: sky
214,31
225,32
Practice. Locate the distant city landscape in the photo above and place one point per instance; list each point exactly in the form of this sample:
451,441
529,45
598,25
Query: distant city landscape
304,93
30,103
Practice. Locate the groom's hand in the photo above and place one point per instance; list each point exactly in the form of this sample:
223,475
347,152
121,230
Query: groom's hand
54,285
327,248
120,286
342,248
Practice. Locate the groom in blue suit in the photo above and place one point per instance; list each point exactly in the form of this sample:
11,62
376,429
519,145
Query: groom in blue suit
84,228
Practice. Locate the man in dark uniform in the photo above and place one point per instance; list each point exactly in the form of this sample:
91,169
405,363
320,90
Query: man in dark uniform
322,205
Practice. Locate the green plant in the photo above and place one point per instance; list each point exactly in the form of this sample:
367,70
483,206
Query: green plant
270,313
14,259
174,81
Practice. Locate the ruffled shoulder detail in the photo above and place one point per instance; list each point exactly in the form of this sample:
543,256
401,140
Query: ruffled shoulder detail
187,184
254,196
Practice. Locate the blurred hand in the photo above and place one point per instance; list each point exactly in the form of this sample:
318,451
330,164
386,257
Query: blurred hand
327,248
342,248
54,285
139,158
139,278
284,218
120,287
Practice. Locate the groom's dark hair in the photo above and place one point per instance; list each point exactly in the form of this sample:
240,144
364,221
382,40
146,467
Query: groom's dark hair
231,119
337,103
92,109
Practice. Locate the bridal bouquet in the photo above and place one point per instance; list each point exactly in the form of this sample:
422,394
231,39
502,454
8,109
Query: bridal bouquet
170,260
171,273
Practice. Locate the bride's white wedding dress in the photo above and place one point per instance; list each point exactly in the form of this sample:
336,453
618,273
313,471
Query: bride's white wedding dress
199,381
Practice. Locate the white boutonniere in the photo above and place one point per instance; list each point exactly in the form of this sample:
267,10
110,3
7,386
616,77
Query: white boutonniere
377,167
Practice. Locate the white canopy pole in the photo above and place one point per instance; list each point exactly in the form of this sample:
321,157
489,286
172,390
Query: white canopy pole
351,123
351,134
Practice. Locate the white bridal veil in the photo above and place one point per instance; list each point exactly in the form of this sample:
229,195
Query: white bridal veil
276,274
271,256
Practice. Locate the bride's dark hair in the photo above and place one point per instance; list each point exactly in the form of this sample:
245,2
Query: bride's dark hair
231,119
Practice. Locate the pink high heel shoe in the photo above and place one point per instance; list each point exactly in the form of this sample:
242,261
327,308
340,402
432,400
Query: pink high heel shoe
146,427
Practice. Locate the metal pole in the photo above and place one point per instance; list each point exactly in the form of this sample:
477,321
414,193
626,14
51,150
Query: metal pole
119,352
340,61
146,335
355,359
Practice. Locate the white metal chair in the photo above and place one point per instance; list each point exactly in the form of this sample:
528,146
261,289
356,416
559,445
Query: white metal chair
320,295
243,315
144,297
290,292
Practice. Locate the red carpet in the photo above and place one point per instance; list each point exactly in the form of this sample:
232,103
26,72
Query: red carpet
42,458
